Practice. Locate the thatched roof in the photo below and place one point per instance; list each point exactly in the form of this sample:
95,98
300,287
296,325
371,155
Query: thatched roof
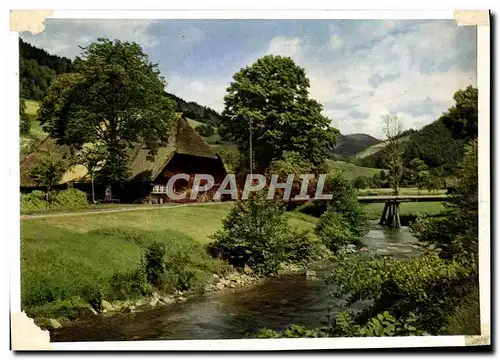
183,140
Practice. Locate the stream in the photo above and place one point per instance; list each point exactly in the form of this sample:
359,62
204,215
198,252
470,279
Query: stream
274,303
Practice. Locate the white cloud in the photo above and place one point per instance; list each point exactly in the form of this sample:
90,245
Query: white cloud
336,42
398,73
205,91
63,37
291,47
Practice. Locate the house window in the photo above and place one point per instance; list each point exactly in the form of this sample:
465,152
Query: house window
159,189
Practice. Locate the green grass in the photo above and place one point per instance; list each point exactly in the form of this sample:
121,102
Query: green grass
466,319
36,133
197,222
351,171
62,255
194,123
32,107
402,191
375,148
210,139
374,211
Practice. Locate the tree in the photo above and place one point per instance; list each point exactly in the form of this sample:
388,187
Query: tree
461,118
24,119
394,151
420,170
456,235
92,158
114,96
49,171
270,100
360,182
205,130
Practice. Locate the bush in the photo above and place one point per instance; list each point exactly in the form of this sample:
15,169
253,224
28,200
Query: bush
427,287
69,199
360,182
154,264
257,234
334,231
314,208
231,158
300,246
130,284
33,202
344,222
93,295
205,130
342,325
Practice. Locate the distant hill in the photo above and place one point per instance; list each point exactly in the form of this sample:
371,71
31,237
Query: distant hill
349,145
371,150
434,144
374,148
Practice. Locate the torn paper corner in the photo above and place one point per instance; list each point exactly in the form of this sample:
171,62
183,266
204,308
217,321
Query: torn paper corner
472,17
26,335
477,340
29,20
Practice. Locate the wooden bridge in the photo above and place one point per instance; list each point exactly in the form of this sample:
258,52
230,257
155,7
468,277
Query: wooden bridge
390,214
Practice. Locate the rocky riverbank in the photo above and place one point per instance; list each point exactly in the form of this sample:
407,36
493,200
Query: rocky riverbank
231,281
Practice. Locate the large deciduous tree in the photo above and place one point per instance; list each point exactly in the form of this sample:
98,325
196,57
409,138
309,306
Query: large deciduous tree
114,96
461,118
272,97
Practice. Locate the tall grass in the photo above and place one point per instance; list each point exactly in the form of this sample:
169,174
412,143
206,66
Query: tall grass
59,264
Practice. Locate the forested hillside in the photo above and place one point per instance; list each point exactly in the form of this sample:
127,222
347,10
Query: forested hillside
440,145
37,69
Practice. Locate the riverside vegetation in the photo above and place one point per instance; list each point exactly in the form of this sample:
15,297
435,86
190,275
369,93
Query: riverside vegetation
426,295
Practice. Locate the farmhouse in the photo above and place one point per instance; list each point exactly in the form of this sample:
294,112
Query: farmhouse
186,152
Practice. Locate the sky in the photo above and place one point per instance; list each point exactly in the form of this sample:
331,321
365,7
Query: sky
359,70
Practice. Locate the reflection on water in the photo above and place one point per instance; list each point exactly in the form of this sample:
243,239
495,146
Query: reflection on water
276,303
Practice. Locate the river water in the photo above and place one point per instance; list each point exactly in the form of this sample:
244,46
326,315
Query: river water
275,303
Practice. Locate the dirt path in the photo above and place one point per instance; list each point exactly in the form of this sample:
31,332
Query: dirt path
104,211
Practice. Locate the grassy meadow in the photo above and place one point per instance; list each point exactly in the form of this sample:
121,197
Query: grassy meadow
62,255
36,133
377,147
374,211
402,191
351,171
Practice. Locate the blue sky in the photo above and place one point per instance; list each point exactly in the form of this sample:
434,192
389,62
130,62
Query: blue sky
359,70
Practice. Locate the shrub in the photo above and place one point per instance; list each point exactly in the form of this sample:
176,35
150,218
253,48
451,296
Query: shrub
130,284
342,325
205,130
69,199
344,222
154,263
93,295
314,208
300,246
231,158
256,233
334,231
360,182
183,271
428,287
33,202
